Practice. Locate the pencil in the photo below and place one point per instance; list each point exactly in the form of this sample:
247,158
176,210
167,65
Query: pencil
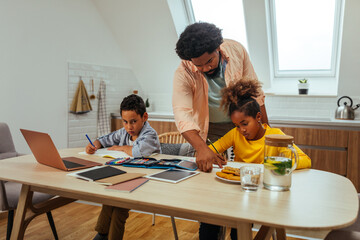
213,146
89,140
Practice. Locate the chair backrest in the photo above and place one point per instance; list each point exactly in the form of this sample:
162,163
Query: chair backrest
7,148
172,137
173,143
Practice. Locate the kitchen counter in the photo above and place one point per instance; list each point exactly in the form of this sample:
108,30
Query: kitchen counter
274,121
329,123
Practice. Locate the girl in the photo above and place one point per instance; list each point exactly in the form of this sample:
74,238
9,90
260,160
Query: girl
248,136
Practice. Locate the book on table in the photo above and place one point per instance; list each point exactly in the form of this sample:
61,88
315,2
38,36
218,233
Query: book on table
128,186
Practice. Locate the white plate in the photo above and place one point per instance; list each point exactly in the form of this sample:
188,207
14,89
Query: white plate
227,180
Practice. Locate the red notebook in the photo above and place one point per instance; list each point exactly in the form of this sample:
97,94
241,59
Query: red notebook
128,186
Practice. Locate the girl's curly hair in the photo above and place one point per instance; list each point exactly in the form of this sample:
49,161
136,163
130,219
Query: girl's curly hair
240,96
197,39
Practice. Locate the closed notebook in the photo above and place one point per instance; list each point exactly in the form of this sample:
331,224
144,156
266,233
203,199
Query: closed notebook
99,173
128,186
120,178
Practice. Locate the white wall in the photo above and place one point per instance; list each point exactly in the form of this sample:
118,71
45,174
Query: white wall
349,83
38,38
255,20
146,31
119,82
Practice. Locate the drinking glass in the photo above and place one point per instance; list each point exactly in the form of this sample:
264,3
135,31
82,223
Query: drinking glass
250,178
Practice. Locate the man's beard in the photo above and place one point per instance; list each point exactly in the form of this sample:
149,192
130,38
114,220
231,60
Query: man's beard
211,75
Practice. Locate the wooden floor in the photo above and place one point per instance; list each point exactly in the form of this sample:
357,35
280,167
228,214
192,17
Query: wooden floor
76,221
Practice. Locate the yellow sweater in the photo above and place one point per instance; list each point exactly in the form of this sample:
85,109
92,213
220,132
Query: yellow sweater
253,151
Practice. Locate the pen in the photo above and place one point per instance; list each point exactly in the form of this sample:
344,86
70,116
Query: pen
89,140
213,146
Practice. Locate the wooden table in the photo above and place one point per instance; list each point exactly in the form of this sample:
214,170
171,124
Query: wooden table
317,200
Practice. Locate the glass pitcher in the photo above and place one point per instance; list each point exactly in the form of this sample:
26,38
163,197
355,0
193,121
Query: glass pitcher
279,161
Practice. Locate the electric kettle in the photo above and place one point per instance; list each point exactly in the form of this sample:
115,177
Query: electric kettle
345,111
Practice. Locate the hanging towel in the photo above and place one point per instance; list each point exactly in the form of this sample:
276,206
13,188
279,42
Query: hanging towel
80,103
103,127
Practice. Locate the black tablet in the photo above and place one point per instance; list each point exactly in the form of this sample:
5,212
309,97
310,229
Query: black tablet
100,173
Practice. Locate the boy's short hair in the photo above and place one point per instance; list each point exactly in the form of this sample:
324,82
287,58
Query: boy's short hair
133,102
197,39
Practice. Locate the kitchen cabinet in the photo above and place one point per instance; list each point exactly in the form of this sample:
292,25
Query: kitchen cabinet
332,150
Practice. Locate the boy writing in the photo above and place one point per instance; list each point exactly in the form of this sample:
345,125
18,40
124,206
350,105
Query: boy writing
138,139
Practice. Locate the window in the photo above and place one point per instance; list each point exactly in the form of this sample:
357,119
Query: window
304,37
227,15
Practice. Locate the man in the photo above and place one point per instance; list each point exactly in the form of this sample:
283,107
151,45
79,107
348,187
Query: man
208,64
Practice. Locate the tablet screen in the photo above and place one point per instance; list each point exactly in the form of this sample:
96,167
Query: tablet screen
188,165
101,172
172,175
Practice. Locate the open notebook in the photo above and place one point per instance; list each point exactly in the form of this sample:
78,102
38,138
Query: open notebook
240,164
104,152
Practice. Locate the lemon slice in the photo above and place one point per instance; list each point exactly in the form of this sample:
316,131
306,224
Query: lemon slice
270,166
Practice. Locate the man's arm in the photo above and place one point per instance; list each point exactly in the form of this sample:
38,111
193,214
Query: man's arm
204,156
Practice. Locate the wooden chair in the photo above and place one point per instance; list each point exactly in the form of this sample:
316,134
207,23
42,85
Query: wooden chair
172,137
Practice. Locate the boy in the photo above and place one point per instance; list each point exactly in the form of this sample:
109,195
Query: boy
138,139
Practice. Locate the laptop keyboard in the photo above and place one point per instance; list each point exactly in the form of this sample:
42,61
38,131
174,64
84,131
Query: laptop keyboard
69,164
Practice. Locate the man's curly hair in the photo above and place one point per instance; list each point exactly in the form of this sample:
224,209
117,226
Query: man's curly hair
197,39
240,96
133,103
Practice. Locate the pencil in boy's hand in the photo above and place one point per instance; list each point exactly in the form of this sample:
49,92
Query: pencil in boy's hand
213,146
89,140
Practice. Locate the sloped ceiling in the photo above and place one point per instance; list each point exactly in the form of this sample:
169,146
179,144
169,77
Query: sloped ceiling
146,33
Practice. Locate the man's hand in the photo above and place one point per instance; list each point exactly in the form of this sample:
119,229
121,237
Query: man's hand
206,158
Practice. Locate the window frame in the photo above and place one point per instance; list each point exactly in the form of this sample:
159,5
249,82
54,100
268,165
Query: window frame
273,47
189,11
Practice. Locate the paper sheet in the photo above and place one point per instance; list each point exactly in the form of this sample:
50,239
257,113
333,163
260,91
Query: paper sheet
104,152
240,164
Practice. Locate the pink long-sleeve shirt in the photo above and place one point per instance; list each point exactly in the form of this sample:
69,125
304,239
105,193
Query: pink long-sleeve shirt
190,88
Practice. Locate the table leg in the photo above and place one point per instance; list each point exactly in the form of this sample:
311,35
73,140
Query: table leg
280,233
26,211
264,233
23,204
244,231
